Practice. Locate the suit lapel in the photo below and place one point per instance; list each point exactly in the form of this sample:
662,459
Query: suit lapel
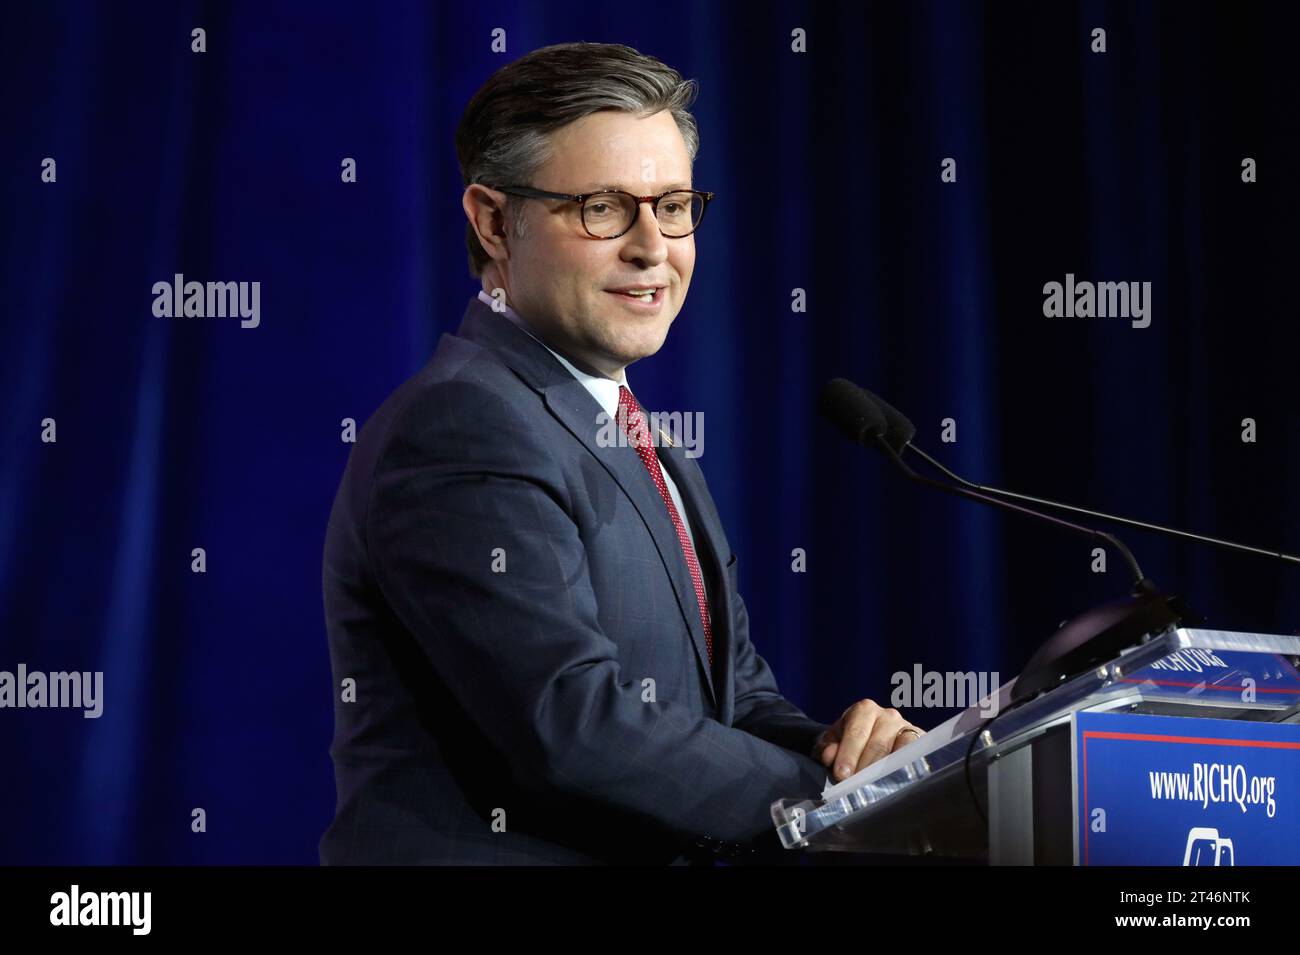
581,414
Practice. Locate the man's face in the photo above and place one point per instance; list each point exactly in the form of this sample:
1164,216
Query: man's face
559,278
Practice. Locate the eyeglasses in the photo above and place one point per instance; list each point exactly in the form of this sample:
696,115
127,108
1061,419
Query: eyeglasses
610,213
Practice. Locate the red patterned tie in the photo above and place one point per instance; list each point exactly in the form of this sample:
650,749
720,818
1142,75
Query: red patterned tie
634,426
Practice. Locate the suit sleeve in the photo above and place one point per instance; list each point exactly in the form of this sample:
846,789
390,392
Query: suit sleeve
760,707
472,543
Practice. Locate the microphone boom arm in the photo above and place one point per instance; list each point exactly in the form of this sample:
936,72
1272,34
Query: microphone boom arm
1139,578
971,485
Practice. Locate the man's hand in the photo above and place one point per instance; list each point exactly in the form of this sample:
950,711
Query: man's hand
865,733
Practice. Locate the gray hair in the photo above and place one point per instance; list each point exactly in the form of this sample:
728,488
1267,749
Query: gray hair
503,137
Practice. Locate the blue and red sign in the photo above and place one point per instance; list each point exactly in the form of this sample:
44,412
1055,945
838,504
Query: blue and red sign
1170,790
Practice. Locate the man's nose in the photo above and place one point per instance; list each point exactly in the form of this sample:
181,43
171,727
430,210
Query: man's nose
644,241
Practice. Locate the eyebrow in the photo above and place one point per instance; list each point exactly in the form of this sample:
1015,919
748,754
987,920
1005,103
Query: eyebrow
608,186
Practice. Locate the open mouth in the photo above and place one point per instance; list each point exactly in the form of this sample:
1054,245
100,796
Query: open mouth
645,296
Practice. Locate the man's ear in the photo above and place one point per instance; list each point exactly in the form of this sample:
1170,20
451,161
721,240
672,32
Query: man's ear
485,209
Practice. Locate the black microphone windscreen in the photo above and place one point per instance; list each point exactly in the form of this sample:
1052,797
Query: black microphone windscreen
852,411
898,429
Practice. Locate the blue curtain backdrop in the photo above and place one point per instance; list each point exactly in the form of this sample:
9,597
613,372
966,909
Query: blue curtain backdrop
225,165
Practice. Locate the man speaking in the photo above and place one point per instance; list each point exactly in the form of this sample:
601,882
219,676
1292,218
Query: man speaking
538,648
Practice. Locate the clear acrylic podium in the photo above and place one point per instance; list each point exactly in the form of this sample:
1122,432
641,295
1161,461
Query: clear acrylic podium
1001,790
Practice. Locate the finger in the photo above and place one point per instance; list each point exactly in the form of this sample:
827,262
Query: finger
828,738
858,725
827,755
883,736
909,737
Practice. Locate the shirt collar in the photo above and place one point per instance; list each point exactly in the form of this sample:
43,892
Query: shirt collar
604,390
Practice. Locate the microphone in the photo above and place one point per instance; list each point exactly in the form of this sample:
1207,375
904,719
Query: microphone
854,411
1093,637
899,431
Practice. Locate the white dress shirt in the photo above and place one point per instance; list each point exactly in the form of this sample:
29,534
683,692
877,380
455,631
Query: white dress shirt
605,391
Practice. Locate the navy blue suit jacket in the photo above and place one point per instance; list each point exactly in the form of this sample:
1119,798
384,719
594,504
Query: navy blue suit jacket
529,668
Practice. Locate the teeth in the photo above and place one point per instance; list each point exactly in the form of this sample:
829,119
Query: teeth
647,295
